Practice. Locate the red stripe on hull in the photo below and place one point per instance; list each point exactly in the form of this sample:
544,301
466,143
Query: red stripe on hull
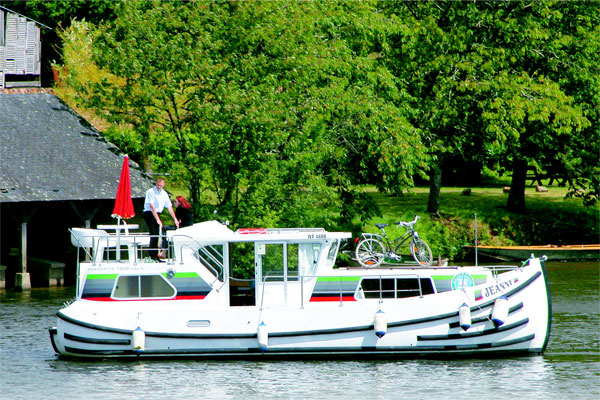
175,298
333,298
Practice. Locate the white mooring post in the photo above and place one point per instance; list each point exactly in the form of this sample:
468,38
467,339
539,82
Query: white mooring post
475,239
22,279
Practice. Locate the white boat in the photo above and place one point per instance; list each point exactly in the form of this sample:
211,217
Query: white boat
298,303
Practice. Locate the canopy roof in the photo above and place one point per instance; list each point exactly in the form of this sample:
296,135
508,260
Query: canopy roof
214,231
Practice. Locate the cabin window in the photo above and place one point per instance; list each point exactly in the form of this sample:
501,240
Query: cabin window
292,261
98,286
281,261
142,286
241,261
395,288
211,256
272,261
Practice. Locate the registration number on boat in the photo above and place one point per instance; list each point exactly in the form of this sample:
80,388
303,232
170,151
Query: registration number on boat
317,236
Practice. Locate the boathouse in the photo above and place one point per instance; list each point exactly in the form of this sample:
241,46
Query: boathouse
56,172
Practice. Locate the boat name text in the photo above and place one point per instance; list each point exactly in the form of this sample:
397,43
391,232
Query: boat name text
499,288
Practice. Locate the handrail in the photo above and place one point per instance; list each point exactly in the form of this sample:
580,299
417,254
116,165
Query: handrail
85,249
107,242
211,257
214,271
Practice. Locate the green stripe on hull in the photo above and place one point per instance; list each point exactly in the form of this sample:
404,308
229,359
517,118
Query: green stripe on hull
102,276
338,278
183,275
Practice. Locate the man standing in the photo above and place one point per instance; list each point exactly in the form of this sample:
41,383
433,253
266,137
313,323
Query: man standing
156,200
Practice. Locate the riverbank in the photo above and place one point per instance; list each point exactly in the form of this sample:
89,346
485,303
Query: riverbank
550,219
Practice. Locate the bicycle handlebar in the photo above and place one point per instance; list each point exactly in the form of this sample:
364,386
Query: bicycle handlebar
408,224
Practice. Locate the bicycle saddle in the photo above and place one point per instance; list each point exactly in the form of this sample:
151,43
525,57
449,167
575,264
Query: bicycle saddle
380,226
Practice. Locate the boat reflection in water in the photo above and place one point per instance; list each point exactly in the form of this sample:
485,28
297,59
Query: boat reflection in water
298,303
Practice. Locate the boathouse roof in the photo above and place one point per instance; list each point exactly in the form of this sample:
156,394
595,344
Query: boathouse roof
50,153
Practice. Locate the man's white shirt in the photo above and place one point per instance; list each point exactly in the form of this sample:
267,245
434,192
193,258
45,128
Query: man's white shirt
159,199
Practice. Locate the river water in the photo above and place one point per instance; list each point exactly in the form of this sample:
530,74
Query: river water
570,368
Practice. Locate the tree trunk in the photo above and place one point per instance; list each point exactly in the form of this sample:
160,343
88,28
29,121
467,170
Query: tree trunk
516,197
435,185
194,187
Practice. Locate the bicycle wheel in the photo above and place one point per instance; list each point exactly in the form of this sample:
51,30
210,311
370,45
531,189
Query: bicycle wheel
421,252
370,253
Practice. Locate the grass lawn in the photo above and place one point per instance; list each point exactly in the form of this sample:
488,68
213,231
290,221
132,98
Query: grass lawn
550,218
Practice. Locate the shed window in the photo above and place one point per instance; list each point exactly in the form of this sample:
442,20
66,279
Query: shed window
142,286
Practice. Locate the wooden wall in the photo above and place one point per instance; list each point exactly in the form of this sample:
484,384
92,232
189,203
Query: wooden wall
20,51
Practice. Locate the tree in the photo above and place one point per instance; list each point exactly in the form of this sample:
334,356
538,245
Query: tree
435,54
273,111
536,104
488,80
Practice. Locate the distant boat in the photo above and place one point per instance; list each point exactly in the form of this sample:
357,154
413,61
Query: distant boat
553,252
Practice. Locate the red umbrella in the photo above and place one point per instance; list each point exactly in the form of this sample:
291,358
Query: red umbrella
123,203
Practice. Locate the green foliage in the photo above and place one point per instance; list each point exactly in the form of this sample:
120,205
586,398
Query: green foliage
277,113
271,110
503,82
57,13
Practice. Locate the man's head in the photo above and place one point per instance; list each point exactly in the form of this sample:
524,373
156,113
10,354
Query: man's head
160,183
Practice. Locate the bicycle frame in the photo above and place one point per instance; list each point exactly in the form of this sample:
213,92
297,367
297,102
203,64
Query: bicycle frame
408,235
391,247
374,248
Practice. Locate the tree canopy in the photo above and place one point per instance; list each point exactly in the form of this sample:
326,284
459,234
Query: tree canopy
276,112
501,84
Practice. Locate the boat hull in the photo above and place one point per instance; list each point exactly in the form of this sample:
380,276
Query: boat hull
426,326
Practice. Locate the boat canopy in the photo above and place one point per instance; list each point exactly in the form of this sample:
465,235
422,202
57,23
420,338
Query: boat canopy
202,230
214,231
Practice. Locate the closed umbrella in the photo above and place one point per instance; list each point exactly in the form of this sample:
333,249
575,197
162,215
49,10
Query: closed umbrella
123,204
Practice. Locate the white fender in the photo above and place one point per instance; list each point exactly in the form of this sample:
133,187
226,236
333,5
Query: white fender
464,316
138,340
500,310
262,334
380,324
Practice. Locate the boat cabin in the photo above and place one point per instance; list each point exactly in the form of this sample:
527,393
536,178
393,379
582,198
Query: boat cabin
248,267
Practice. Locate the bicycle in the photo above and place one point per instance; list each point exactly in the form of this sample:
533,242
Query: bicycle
374,248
